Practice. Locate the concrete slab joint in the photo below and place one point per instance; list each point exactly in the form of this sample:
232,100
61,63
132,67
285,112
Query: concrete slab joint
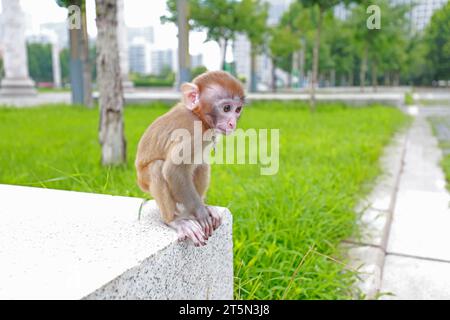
99,249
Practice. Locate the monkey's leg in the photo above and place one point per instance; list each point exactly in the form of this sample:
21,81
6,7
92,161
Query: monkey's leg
201,179
160,191
201,182
180,180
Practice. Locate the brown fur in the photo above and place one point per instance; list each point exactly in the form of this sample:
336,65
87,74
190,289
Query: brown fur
170,184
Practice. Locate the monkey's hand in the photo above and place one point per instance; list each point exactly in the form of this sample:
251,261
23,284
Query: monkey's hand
205,220
189,229
216,217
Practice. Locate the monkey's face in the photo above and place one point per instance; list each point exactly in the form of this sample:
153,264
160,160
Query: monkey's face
217,98
227,113
226,109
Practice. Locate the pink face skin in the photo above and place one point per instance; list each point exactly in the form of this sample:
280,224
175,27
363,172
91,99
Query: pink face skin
228,112
227,109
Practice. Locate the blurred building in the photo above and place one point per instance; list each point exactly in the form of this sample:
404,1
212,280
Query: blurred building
276,10
196,60
139,55
242,48
145,33
161,60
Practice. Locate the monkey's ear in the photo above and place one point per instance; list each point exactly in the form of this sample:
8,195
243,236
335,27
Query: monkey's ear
190,94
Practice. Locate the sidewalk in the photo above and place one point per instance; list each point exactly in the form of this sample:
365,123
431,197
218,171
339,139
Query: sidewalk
404,249
417,262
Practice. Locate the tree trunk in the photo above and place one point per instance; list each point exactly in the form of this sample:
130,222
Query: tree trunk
374,76
87,75
274,76
387,78
111,133
333,77
184,70
301,62
396,80
316,61
224,56
289,79
362,73
351,79
253,84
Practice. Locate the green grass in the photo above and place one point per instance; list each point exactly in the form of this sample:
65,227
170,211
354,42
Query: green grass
409,100
444,143
52,90
287,227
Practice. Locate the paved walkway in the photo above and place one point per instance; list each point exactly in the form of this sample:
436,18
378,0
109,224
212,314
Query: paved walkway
417,261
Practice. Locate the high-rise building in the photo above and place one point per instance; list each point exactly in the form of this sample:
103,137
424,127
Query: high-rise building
196,60
161,60
241,53
146,33
139,56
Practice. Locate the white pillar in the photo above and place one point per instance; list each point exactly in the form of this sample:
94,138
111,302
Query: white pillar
17,81
56,64
123,46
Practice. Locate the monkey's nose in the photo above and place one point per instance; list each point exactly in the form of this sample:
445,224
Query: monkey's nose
231,125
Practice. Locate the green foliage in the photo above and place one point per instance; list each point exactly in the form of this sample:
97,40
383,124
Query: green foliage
198,71
437,39
254,22
64,58
1,67
300,214
164,80
40,62
409,100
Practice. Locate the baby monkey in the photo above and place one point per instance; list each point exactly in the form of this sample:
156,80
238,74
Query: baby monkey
212,102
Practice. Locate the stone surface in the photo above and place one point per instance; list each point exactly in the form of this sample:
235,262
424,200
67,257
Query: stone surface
373,225
16,81
422,214
415,279
71,245
417,264
368,261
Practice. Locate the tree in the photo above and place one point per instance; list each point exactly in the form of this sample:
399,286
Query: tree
40,62
322,6
437,39
109,82
254,25
80,68
220,18
299,20
283,42
383,48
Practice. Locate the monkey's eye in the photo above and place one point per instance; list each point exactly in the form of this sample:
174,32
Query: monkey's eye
238,109
226,108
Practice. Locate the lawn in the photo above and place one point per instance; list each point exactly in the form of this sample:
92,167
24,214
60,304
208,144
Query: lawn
441,129
287,227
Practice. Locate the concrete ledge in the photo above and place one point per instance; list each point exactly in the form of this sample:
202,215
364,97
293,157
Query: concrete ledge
71,245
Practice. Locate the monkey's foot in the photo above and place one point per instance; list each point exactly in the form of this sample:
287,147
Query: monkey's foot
215,216
189,229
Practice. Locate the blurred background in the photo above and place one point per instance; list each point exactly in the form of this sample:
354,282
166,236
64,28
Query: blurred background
268,44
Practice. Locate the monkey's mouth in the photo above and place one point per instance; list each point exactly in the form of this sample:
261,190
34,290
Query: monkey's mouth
224,131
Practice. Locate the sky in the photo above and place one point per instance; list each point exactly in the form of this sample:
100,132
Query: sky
138,13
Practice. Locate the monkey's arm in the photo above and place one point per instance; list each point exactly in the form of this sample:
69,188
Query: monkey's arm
179,178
